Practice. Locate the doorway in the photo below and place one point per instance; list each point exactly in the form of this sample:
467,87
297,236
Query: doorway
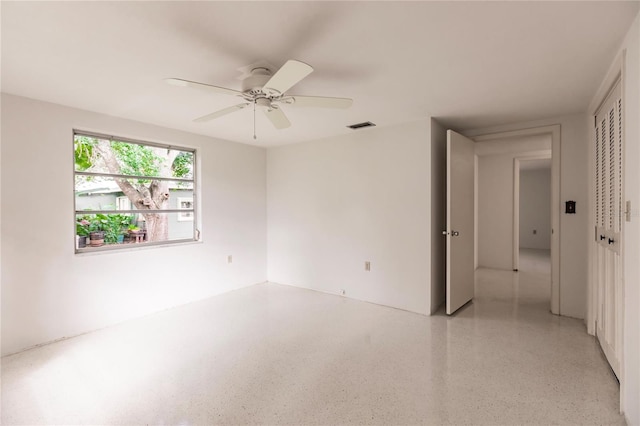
532,214
499,155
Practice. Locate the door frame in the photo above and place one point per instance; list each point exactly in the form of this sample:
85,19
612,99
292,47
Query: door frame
554,131
516,204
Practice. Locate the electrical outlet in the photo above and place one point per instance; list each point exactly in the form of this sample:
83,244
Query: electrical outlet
367,266
229,259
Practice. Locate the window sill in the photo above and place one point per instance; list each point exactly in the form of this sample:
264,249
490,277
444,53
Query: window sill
122,248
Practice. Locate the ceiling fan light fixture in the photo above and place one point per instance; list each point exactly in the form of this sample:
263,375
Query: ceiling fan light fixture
263,102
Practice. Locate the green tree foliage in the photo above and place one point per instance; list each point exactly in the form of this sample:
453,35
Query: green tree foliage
136,160
84,152
183,165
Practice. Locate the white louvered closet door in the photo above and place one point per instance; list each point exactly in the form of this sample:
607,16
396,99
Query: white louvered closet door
609,196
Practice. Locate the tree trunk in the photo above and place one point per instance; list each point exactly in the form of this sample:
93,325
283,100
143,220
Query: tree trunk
104,148
158,223
154,197
157,226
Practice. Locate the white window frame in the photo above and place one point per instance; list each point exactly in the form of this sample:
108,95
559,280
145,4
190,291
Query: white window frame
123,203
117,210
185,216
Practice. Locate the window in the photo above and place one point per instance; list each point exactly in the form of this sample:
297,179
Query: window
185,204
132,193
123,203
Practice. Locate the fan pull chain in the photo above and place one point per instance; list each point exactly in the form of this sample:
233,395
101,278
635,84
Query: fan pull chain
254,120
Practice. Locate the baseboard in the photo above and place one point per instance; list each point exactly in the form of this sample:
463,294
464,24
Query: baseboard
426,314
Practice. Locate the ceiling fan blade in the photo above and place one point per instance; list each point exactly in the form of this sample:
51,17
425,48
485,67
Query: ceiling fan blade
277,118
201,86
317,101
287,76
220,113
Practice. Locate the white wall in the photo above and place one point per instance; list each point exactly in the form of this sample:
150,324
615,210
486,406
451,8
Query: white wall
438,214
495,196
495,211
1,347
574,228
48,292
335,203
535,209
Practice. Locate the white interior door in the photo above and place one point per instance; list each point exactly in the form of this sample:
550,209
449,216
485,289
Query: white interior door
609,226
460,232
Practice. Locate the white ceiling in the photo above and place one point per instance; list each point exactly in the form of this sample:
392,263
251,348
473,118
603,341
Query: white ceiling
471,64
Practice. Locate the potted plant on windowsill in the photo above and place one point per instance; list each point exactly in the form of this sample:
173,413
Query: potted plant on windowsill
120,223
108,228
82,232
96,231
136,234
113,225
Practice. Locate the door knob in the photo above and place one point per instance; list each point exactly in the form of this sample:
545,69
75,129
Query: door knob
601,237
445,233
611,241
454,233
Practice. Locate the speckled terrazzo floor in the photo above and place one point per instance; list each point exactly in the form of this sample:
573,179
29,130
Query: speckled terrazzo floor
273,354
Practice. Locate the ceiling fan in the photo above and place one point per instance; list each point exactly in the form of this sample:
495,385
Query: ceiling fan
267,92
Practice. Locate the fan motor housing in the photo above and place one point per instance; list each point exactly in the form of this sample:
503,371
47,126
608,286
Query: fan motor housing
255,82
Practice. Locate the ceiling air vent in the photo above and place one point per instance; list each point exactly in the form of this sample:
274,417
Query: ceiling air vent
361,125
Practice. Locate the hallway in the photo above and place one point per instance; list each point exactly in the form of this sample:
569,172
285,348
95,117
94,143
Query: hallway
283,355
535,261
